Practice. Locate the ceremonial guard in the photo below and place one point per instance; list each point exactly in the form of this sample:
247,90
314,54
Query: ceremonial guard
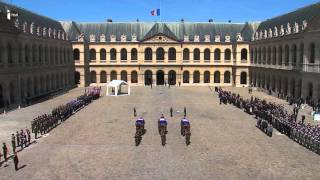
13,142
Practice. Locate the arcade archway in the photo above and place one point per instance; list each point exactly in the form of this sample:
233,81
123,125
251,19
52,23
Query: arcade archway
148,77
172,77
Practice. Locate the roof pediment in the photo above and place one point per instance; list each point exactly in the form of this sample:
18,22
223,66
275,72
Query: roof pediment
160,30
159,38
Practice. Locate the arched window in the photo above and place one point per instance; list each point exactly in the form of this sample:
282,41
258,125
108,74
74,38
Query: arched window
255,56
34,52
93,77
92,54
160,54
134,77
186,54
301,54
172,54
244,54
217,54
196,77
148,54
264,55
227,76
294,55
124,76
76,55
186,76
113,75
103,54
207,54
206,77
274,56
196,54
216,77
269,56
280,56
227,55
123,54
251,56
103,77
286,55
26,54
76,78
113,54
134,54
243,78
312,53
259,55
10,54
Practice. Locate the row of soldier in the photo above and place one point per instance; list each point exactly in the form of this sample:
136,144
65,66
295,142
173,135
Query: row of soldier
44,123
278,117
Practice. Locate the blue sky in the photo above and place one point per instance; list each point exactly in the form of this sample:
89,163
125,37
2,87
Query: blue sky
171,10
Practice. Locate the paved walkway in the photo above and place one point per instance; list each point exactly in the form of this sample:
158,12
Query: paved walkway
98,143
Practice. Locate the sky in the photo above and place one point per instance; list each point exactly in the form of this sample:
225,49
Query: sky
171,10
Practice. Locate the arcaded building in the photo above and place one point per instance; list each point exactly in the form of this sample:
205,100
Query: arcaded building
285,54
35,57
176,53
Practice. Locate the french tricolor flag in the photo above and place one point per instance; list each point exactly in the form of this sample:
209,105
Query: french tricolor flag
155,12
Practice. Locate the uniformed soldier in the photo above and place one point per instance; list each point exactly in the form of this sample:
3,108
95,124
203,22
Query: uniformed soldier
29,136
5,151
18,138
171,111
16,161
185,111
13,142
134,112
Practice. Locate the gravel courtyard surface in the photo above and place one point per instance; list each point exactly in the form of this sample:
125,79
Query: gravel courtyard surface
98,141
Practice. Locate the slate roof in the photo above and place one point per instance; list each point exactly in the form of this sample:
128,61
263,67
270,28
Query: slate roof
29,17
145,30
307,13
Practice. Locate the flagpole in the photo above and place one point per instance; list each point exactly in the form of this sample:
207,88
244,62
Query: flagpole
160,11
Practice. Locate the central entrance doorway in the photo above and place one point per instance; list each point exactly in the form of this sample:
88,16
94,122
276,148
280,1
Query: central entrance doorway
160,77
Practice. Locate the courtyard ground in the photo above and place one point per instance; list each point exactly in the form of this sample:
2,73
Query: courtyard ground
97,142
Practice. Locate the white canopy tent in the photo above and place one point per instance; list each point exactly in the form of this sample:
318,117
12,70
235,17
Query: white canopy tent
116,84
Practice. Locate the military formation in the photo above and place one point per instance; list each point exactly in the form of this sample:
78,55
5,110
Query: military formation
270,115
46,122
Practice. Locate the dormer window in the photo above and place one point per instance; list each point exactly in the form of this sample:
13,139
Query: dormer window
260,35
186,38
31,28
59,34
281,30
134,38
16,23
207,38
102,38
275,32
239,37
304,25
63,36
92,38
81,37
227,38
54,33
38,31
196,38
217,38
24,27
256,36
270,33
123,38
112,38
296,27
288,29
265,34
50,32
44,32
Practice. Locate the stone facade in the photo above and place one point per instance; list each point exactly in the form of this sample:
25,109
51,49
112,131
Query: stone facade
32,64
